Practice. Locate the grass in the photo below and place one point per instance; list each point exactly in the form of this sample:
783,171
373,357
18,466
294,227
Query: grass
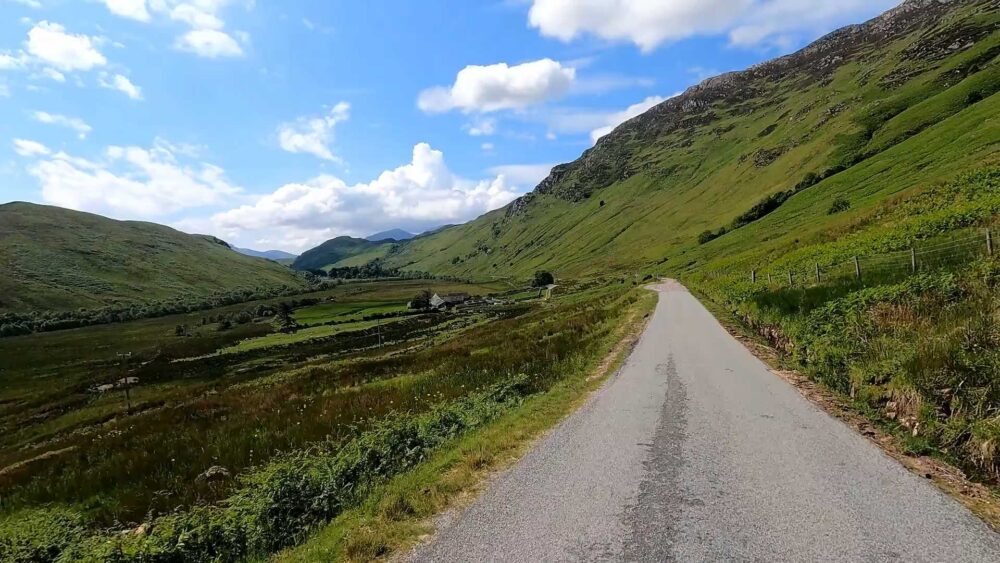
249,411
396,515
346,311
918,352
302,335
60,260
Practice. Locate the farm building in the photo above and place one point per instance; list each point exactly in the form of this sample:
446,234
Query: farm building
448,300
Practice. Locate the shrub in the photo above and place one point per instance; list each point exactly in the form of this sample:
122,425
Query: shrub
839,205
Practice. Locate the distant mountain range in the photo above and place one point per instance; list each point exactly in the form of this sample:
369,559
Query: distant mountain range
276,255
392,234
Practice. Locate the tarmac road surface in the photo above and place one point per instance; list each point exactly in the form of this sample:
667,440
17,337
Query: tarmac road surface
696,452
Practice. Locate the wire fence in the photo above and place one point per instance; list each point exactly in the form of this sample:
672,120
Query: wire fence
952,251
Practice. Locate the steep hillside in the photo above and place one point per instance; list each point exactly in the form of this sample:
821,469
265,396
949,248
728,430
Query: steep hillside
340,252
57,259
865,113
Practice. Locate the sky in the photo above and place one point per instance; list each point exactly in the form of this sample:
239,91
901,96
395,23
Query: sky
280,124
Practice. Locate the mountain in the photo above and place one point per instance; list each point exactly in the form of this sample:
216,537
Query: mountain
341,251
392,234
58,259
275,255
867,113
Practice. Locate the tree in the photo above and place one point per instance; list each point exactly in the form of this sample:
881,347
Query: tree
543,278
284,319
422,300
838,205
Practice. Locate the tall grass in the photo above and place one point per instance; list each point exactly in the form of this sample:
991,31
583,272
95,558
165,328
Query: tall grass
921,351
290,426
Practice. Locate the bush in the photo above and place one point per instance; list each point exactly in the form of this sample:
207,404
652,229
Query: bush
839,205
281,503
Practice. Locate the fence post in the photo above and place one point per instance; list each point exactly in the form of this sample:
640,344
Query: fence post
817,273
769,282
913,259
989,242
753,276
857,267
791,281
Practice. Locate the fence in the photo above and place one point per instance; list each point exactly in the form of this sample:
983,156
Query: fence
952,251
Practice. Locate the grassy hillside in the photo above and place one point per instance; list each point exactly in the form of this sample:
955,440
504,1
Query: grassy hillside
340,252
56,259
867,113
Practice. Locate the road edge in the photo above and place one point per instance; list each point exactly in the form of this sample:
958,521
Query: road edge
978,498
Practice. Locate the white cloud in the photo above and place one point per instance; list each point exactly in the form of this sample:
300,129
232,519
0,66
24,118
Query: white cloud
482,127
50,43
206,35
76,124
29,3
25,147
313,135
650,23
615,119
122,84
499,86
209,43
416,196
130,181
487,147
132,9
54,74
528,175
9,61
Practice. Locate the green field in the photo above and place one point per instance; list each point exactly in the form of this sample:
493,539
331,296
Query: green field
334,312
246,397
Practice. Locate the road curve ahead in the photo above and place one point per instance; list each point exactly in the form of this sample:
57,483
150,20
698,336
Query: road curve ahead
696,452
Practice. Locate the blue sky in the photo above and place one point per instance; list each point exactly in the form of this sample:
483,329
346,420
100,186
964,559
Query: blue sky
279,124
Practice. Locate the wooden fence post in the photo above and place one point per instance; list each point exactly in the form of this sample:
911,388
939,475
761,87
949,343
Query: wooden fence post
769,282
857,267
791,281
817,273
753,276
913,260
989,242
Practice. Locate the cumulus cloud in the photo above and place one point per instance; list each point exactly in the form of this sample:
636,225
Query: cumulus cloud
206,35
650,23
132,9
419,195
51,44
482,127
209,43
617,118
131,181
75,123
499,86
122,84
313,135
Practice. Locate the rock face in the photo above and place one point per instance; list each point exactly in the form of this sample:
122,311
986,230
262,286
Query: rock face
610,160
